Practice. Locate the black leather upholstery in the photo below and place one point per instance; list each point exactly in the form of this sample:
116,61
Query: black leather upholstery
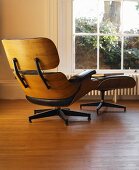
51,102
83,75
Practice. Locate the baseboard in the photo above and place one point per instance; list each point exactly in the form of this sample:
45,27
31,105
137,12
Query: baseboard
10,89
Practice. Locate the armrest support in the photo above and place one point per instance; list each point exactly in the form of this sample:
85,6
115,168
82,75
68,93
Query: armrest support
83,75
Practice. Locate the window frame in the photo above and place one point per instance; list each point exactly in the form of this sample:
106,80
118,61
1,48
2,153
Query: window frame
98,34
66,41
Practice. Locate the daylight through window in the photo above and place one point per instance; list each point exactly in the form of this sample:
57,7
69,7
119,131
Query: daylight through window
106,34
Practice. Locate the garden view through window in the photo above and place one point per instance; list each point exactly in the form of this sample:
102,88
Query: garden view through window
106,34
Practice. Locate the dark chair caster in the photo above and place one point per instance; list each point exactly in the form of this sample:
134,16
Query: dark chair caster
30,121
66,122
89,118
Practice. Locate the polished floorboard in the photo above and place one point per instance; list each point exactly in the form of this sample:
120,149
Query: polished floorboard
109,142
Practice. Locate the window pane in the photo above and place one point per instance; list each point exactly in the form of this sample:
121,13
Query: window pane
131,52
85,52
110,52
85,13
109,20
109,16
131,16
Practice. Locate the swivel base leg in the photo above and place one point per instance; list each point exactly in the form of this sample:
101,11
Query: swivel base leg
103,104
62,113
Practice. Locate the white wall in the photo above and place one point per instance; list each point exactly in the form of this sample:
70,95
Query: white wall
24,19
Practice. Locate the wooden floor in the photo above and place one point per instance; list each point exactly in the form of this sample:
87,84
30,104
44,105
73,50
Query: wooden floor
108,142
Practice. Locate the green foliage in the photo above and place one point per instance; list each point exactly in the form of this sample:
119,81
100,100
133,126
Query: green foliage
110,46
85,52
137,6
111,51
131,53
85,25
131,58
107,27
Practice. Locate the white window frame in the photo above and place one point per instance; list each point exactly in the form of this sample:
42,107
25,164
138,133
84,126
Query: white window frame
65,36
66,44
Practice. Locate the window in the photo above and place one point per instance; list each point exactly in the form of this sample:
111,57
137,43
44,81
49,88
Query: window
106,34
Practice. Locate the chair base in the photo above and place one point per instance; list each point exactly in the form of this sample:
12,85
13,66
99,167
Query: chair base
62,113
103,104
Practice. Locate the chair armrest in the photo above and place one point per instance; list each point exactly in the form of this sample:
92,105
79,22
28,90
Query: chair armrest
83,75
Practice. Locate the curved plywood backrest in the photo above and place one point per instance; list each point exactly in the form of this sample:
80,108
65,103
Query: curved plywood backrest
26,50
28,57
